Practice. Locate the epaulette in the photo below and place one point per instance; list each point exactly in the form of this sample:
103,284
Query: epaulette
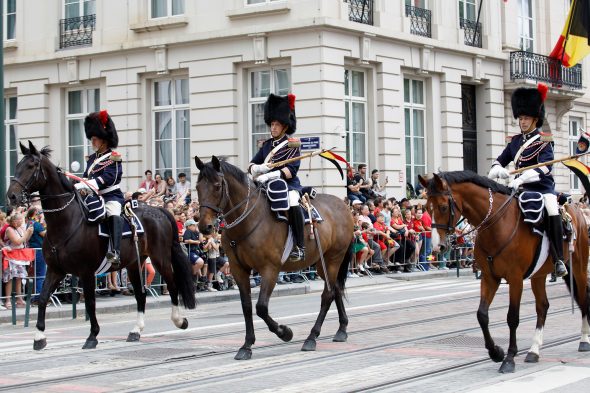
115,156
546,136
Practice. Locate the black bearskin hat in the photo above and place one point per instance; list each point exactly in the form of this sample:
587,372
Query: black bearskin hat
529,102
100,125
281,109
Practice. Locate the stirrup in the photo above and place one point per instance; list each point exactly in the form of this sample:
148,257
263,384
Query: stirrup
297,254
560,269
113,258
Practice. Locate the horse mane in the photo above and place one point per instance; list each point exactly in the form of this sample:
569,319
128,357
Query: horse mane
468,176
46,151
65,182
210,173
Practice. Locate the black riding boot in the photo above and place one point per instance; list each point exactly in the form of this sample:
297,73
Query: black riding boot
556,238
115,228
297,223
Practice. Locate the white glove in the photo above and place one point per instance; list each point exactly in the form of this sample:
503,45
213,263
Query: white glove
81,185
269,176
257,170
529,176
89,184
498,171
516,183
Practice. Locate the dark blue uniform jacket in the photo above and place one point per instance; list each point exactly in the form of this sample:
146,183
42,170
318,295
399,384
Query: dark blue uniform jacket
107,173
283,153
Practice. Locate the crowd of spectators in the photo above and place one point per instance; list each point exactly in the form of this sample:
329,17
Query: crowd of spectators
396,237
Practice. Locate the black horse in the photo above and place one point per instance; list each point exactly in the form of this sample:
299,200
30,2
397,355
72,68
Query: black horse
73,246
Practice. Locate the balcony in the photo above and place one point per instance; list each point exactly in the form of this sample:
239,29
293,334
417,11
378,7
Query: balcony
76,31
419,21
472,32
528,65
360,11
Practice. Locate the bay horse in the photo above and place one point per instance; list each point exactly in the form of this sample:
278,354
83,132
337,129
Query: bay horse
253,239
505,248
72,246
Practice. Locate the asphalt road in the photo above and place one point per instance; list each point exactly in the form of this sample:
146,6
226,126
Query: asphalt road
414,336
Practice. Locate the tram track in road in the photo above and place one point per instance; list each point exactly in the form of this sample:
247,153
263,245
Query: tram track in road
39,384
332,316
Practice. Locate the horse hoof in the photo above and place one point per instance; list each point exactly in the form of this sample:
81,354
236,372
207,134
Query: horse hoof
184,324
497,354
507,367
340,337
39,344
308,345
531,357
243,354
133,337
584,347
90,344
285,333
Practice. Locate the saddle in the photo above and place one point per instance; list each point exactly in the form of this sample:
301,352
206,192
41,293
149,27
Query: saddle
129,217
532,206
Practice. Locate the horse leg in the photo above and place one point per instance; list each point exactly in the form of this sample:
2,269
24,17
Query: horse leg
52,280
140,295
583,300
513,320
268,281
242,277
489,286
541,305
89,287
327,298
341,335
179,321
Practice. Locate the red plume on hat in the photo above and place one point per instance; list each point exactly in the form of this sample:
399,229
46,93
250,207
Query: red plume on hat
543,89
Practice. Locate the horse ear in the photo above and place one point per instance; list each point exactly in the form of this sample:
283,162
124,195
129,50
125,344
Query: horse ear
33,149
439,182
216,163
423,180
199,163
23,149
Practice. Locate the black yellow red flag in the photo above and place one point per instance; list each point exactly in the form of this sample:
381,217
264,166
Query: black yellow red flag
581,171
334,158
573,43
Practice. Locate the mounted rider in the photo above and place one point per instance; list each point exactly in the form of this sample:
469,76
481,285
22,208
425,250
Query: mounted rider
279,115
529,148
103,173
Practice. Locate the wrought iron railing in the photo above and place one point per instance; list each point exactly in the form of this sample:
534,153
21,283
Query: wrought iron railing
360,11
76,31
528,65
419,21
472,32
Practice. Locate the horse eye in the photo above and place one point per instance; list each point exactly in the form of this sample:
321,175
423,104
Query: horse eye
443,208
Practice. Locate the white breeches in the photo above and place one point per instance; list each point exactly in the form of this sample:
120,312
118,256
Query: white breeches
551,204
293,198
113,208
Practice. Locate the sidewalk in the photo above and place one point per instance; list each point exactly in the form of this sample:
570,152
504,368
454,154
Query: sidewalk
126,304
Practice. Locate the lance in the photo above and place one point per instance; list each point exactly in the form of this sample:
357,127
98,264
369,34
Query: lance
301,157
572,157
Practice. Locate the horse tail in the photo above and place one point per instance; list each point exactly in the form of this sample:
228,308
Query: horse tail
181,268
343,271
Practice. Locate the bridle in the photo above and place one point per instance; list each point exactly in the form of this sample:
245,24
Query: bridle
26,191
225,200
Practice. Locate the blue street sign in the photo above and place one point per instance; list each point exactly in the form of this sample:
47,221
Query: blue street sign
310,143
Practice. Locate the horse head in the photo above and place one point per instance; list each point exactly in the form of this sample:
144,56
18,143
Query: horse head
442,209
29,175
212,193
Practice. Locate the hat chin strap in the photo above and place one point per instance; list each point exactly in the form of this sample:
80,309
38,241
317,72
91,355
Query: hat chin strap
532,127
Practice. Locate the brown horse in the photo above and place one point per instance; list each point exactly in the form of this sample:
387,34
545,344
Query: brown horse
73,246
254,239
505,248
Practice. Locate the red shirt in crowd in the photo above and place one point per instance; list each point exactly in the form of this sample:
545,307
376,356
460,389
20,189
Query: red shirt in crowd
427,224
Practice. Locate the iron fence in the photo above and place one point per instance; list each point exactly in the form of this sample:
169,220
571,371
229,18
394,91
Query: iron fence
360,11
76,31
528,65
420,21
472,32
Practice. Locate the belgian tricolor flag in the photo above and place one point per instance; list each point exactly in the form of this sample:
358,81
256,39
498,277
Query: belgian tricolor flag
574,44
581,171
334,158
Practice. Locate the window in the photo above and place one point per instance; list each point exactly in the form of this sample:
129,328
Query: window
355,117
10,19
262,83
525,25
575,129
165,8
11,137
467,10
417,3
260,1
79,104
78,8
171,124
414,116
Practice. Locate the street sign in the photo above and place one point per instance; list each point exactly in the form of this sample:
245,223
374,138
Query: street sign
310,143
